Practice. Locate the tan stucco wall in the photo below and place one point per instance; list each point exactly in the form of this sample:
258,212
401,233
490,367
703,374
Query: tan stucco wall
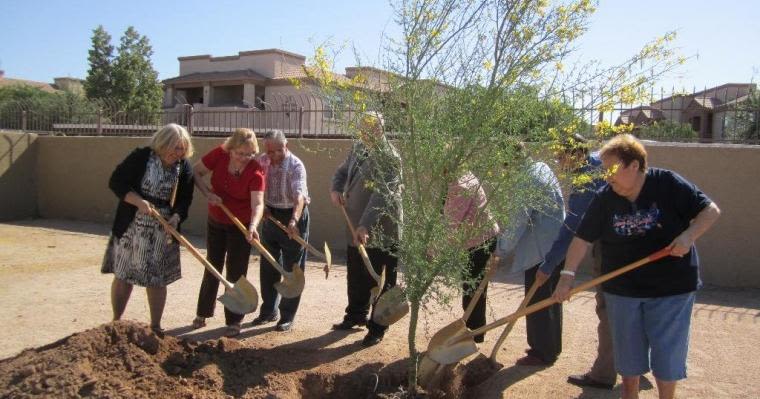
73,177
728,174
72,174
18,193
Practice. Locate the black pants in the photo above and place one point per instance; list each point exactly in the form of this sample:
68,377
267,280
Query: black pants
544,327
360,282
286,251
475,272
221,240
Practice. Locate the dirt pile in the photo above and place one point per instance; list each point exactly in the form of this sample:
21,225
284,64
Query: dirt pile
126,359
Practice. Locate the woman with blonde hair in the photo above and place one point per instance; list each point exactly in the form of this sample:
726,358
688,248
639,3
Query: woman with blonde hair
237,181
642,210
158,176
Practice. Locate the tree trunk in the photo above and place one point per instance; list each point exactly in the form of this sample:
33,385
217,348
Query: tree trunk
412,337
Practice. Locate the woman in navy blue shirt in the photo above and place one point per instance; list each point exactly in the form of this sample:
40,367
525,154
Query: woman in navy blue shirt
640,211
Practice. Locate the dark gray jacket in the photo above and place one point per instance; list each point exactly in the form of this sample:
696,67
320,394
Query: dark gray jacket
371,189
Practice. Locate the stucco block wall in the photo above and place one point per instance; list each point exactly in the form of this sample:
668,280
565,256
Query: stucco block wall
67,177
18,189
73,177
728,174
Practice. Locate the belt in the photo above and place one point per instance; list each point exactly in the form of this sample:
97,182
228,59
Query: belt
279,210
158,202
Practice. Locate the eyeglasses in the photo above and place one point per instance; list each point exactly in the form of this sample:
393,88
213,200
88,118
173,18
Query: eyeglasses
244,154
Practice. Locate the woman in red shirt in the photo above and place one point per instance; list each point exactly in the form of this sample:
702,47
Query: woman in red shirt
237,181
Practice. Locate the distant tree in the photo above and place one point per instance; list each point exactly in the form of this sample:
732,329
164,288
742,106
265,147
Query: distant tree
136,87
99,83
743,122
667,130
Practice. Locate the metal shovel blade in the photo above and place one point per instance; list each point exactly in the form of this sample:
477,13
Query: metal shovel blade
242,298
292,283
328,259
391,307
453,352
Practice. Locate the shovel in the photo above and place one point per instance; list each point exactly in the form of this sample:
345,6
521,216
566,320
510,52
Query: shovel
508,328
389,307
458,346
240,298
293,282
327,256
379,279
428,366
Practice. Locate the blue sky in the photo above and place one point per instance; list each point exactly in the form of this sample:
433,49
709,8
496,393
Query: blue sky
43,39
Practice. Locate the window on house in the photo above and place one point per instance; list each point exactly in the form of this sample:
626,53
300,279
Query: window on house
228,96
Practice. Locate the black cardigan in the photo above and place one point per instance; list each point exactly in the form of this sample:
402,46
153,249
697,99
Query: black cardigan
128,177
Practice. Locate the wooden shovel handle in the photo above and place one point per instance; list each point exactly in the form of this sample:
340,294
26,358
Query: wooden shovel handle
298,239
490,269
589,284
362,250
256,243
182,240
508,328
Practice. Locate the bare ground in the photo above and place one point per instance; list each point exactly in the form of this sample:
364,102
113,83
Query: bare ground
51,287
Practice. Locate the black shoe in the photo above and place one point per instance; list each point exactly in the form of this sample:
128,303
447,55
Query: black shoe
284,326
348,325
371,340
263,319
583,380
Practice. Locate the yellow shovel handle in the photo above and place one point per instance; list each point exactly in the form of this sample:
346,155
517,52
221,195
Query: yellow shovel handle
362,250
256,243
182,240
298,239
589,284
508,328
490,269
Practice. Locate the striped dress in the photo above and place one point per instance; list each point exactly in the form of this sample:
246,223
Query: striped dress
143,255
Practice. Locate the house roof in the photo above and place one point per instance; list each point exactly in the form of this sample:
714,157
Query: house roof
235,57
704,92
705,102
242,74
7,82
639,115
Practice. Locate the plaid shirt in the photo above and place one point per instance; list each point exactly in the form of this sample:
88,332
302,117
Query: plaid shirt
285,182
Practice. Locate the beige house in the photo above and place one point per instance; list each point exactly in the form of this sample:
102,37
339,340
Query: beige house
255,89
72,85
709,112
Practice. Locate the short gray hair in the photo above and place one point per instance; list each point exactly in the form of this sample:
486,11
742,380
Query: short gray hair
276,135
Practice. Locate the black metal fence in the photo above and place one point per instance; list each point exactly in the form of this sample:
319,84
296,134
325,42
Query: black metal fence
727,113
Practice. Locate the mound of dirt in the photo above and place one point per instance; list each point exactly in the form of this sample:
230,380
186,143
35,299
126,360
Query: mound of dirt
127,359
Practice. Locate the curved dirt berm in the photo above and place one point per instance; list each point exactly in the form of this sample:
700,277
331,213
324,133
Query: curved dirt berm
126,359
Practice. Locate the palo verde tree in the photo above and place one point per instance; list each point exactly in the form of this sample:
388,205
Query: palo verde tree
466,81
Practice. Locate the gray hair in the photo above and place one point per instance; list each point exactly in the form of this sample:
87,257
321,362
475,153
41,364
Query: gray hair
276,135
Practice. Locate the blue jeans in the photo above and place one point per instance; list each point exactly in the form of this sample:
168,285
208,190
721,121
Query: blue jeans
287,252
650,332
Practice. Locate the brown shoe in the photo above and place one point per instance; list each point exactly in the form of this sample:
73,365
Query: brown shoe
584,380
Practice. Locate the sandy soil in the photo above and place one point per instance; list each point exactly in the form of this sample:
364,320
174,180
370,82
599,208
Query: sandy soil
51,287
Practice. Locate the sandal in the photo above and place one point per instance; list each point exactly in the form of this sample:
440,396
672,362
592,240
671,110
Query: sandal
199,322
233,330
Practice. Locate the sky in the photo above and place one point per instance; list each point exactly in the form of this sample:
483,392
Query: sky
45,39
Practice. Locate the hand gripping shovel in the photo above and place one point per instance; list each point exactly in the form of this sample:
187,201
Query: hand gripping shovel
459,346
240,298
508,328
428,366
379,279
327,256
389,307
293,282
